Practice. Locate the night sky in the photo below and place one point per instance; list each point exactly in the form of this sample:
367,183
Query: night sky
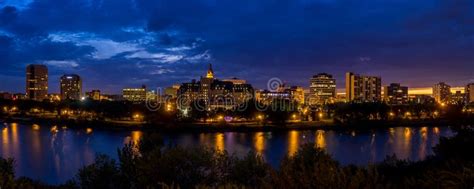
114,44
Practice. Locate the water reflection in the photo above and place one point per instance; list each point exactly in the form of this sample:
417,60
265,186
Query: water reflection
220,146
5,135
54,155
136,136
320,139
423,138
293,142
259,142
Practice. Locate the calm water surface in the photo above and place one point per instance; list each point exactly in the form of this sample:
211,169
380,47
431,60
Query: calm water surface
55,157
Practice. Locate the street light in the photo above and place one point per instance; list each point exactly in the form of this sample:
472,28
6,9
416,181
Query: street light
137,116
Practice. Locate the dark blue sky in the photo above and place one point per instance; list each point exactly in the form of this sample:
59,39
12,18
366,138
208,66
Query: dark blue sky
124,43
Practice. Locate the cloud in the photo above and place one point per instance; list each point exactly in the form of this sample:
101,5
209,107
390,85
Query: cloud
161,71
202,57
104,48
155,57
293,39
180,48
62,63
21,4
107,48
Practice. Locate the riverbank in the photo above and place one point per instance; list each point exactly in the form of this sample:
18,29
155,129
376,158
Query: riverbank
235,127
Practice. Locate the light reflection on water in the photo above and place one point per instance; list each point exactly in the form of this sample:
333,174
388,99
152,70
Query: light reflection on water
54,155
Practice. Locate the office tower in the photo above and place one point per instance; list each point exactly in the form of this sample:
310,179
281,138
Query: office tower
396,94
363,88
470,93
441,92
322,89
135,94
36,82
71,87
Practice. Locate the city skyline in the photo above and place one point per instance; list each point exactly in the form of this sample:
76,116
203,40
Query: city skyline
403,41
236,94
339,90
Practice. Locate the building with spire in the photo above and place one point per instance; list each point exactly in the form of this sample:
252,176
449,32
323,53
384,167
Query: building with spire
225,94
210,72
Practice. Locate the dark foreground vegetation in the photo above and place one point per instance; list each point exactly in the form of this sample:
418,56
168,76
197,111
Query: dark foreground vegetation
150,164
282,114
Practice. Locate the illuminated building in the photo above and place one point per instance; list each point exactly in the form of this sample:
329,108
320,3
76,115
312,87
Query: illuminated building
54,97
236,81
470,92
267,97
396,94
152,95
457,97
421,99
172,92
340,97
297,94
94,95
19,96
441,92
135,94
36,82
111,97
293,93
71,87
363,88
215,93
322,89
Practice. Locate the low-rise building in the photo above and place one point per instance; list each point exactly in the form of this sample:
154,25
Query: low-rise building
94,95
172,92
421,99
135,94
6,95
293,93
396,94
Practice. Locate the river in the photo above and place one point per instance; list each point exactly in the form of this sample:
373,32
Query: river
55,154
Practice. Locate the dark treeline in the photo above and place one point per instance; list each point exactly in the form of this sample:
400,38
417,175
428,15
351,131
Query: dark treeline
356,113
279,112
149,164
